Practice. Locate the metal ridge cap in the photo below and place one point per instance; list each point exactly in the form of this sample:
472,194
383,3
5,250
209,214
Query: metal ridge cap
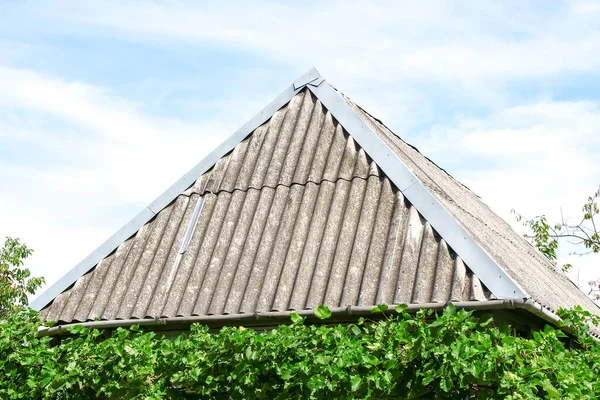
172,192
498,281
311,77
278,316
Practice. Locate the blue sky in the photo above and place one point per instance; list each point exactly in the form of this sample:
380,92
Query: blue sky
104,104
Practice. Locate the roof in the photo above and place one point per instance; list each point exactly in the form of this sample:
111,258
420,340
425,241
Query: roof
312,202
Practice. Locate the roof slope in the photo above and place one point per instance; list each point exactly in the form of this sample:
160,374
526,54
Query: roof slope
534,272
312,202
295,216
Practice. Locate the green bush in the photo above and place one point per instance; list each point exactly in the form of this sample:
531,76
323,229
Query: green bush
453,354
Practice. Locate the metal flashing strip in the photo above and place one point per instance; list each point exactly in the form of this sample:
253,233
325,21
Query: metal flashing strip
171,193
192,225
481,263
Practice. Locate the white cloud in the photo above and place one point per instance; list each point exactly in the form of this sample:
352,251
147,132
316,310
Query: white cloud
408,62
384,41
109,159
588,9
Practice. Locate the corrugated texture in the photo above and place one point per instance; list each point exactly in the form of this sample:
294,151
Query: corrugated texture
354,242
538,277
295,216
301,143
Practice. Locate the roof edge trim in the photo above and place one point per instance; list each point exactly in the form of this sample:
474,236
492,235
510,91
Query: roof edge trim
479,261
338,313
311,77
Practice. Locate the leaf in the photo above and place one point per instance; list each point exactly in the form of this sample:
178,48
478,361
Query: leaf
380,308
374,346
450,309
445,384
296,319
487,322
322,360
551,390
400,308
355,382
323,312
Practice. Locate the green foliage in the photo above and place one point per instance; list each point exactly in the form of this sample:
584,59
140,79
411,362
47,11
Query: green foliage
543,236
452,354
15,280
583,234
322,312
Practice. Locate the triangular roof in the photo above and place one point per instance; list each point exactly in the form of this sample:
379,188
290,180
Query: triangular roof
312,202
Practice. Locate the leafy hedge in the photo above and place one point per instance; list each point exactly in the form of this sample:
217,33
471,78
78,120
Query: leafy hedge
450,355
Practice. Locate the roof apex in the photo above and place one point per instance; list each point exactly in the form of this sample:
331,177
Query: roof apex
311,77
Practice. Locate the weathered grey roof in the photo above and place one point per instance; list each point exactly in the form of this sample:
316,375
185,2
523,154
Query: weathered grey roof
297,214
534,272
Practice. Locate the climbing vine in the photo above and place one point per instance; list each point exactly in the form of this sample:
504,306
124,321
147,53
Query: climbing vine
452,354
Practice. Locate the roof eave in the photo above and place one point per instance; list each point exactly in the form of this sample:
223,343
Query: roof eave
338,314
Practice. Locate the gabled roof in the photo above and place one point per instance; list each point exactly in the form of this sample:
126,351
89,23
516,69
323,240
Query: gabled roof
311,202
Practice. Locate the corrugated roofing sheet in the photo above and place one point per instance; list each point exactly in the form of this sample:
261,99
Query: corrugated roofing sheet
536,274
295,216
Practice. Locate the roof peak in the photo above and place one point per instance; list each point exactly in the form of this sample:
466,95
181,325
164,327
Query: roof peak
311,77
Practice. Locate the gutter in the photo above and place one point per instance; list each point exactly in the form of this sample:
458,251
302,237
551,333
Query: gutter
338,314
